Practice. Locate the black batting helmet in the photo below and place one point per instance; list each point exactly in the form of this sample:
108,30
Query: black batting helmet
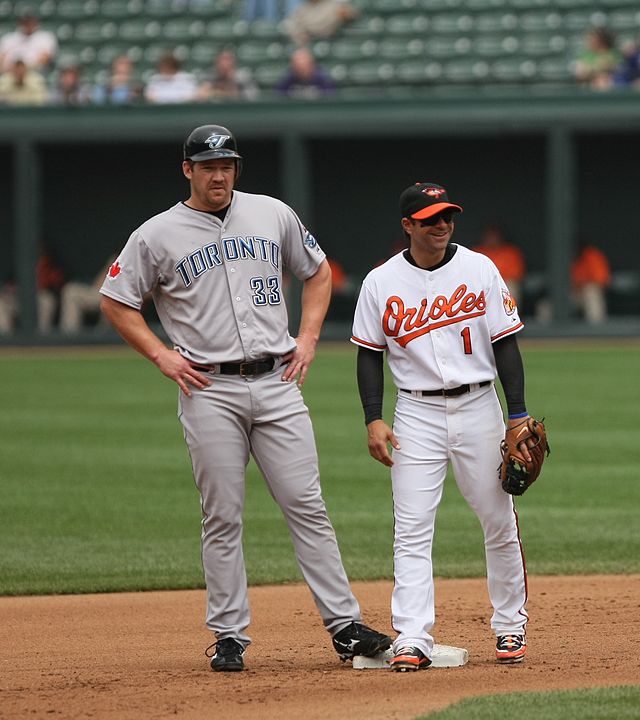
211,142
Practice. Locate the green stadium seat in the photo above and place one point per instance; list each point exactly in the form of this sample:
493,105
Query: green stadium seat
516,69
139,30
446,46
399,48
494,45
267,75
495,21
182,29
261,29
227,29
538,20
162,8
203,53
252,52
407,24
415,72
451,22
522,5
370,72
94,30
465,70
77,9
365,26
351,48
208,8
554,69
485,5
581,20
624,19
120,9
543,44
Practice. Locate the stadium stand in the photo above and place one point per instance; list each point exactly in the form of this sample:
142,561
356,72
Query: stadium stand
411,44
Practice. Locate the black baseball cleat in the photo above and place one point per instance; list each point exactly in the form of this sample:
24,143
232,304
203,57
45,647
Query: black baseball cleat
227,656
358,639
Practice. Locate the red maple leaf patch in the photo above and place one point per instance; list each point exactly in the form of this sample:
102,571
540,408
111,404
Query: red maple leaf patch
115,269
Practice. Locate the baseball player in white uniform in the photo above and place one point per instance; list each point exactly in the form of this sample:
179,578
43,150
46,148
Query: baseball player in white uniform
213,267
448,325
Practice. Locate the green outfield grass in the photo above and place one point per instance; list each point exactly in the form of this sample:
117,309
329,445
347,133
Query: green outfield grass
97,493
616,703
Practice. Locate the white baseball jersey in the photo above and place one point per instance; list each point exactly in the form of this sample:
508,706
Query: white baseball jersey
217,285
437,326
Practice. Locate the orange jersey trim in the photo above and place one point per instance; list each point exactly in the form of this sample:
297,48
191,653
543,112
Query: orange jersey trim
507,332
373,346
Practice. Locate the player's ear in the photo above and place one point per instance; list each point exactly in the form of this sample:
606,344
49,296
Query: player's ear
187,169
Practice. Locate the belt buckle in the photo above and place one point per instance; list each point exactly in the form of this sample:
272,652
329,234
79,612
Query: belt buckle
243,369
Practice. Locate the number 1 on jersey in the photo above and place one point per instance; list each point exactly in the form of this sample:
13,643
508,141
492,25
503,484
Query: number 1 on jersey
466,341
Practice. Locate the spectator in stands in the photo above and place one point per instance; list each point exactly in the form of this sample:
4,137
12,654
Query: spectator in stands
81,299
70,88
596,64
49,282
590,277
21,86
121,87
268,9
304,79
30,43
506,256
628,71
170,84
227,81
314,19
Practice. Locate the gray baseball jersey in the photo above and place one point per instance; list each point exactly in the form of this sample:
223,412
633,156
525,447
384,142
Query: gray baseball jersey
217,285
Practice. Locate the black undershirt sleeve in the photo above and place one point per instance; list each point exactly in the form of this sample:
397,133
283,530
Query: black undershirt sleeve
511,373
370,371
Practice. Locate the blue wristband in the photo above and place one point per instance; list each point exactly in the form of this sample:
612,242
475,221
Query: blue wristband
518,415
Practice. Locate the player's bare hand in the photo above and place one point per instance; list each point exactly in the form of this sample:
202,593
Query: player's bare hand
512,427
380,435
178,368
299,361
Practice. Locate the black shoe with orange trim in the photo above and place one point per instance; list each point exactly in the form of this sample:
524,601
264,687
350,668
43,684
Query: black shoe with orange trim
511,648
409,659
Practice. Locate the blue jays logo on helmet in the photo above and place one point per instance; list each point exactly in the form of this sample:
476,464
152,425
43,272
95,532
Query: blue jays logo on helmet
216,141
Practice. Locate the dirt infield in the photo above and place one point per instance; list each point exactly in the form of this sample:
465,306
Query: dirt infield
140,655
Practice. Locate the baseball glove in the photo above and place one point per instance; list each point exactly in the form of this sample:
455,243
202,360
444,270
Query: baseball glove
516,472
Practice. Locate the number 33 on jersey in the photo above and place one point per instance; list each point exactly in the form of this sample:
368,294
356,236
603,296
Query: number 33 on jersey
436,325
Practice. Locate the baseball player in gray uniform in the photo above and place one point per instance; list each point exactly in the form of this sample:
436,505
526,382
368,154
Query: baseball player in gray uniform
213,267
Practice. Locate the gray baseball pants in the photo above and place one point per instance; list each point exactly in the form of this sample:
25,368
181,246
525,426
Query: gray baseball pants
262,416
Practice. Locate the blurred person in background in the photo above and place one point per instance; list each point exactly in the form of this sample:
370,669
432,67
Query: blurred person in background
22,86
596,64
78,300
121,87
29,42
70,88
305,79
627,74
269,10
227,81
318,19
170,84
506,256
590,277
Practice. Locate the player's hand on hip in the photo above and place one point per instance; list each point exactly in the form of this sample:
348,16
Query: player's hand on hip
299,361
379,436
178,368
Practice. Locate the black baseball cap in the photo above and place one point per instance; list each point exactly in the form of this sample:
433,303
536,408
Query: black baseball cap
424,199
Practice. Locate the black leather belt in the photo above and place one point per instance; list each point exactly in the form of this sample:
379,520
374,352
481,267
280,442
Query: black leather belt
244,369
450,392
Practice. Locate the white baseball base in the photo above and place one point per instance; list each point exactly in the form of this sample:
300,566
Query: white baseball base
443,656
